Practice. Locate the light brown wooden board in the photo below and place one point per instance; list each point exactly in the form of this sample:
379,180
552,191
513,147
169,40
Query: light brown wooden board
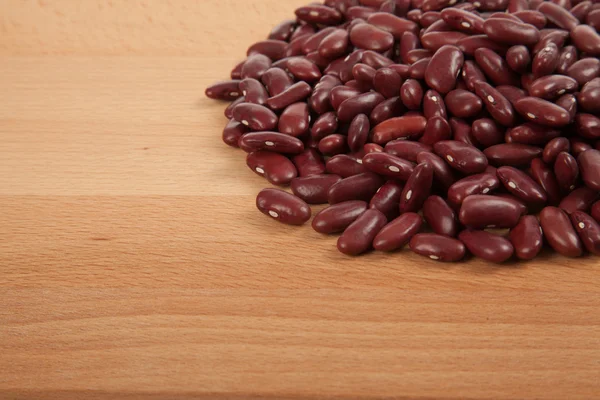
133,263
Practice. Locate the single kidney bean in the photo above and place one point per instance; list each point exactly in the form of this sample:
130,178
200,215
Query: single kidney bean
472,185
568,56
236,72
387,109
334,45
461,131
580,199
463,20
302,30
303,69
253,91
417,55
358,237
229,109
496,104
542,112
408,42
463,104
283,206
309,162
442,174
387,199
527,238
440,216
297,92
361,104
372,148
340,94
437,247
278,169
272,141
485,211
566,171
559,232
295,119
545,61
511,32
363,72
584,70
387,82
554,147
437,129
521,185
532,17
552,86
588,126
375,59
417,188
589,164
487,246
369,37
487,132
437,39
544,176
588,230
357,187
274,49
314,189
468,45
462,157
319,14
533,134
589,97
254,116
596,211
336,218
569,103
388,165
319,100
586,39
547,36
233,131
512,154
295,48
333,144
226,90
406,149
442,71
558,15
398,233
343,66
495,68
255,66
472,74
399,127
395,25
325,125
358,132
411,94
417,69
283,30
345,166
434,105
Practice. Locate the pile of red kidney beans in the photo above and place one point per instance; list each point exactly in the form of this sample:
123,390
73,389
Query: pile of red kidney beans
450,126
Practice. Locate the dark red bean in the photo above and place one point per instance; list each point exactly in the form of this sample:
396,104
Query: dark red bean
334,45
442,71
521,185
398,233
484,211
496,104
512,154
274,49
533,134
283,206
552,86
297,92
593,17
487,132
527,238
340,94
358,237
542,112
318,60
437,247
554,147
559,232
545,61
442,174
558,15
358,132
589,164
437,129
417,55
387,82
309,162
463,104
318,14
385,110
472,185
440,217
580,199
303,69
432,22
588,230
462,20
569,103
314,189
584,70
283,31
325,125
399,127
314,41
345,166
461,131
236,72
319,101
387,199
295,48
462,157
337,217
278,170
578,146
511,32
372,148
495,67
586,39
589,97
334,144
226,90
255,66
470,44
254,116
369,37
417,188
408,42
472,74
417,70
411,94
388,165
566,171
588,126
359,12
544,176
487,246
435,40
433,105
254,91
375,59
233,132
392,24
229,109
302,30
294,120
532,17
363,72
518,58
567,57
356,187
557,37
272,141
361,104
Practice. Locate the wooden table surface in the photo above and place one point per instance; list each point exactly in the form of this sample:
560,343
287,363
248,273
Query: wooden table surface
134,264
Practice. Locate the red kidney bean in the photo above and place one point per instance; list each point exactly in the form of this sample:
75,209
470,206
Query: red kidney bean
255,66
319,101
398,233
399,127
332,145
295,47
518,58
358,132
297,92
372,148
417,55
542,112
545,61
496,104
532,17
233,132
283,206
586,39
318,14
462,157
360,85
356,187
512,154
437,129
325,125
589,97
487,246
589,164
434,105
558,15
437,247
461,131
588,126
363,72
278,169
495,67
345,166
358,237
462,20
527,238
580,199
569,103
533,134
435,40
385,110
369,37
274,49
440,217
584,70
588,230
294,120
442,174
309,162
303,69
544,176
557,37
392,24
388,165
472,185
253,91
470,44
596,211
254,116
236,72
472,74
408,42
552,86
578,146
314,189
318,60
334,45
226,90
417,188
463,104
417,69
283,30
340,94
559,232
361,104
358,12
442,71
432,22
302,30
568,56
554,147
484,211
411,94
387,82
487,132
272,141
566,171
229,109
387,199
414,15
521,185
511,32
375,59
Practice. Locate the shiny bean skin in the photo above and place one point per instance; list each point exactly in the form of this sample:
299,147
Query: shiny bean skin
294,120
544,176
319,100
233,131
472,75
568,56
437,129
226,90
417,70
462,20
518,58
274,49
272,141
255,66
496,104
437,247
334,45
462,157
559,232
569,103
358,132
229,109
545,61
283,30
463,104
588,230
434,105
255,117
283,207
511,32
527,238
558,15
361,104
411,94
319,14
589,97
580,199
529,133
542,112
308,163
387,109
375,59
297,92
369,37
566,171
554,147
589,165
387,199
387,82
406,149
314,189
408,42
484,211
253,91
358,237
588,126
433,41
472,185
345,166
388,165
363,72
532,17
325,125
398,233
512,154
399,127
334,144
417,55
443,69
442,173
342,93
417,188
487,132
551,87
521,185
584,70
495,68
357,187
440,216
586,39
487,246
470,44
277,169
236,72
461,131
395,25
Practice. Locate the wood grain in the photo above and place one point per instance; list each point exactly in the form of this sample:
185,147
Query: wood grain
134,265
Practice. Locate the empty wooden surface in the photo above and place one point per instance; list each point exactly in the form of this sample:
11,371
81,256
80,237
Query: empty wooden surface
133,263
